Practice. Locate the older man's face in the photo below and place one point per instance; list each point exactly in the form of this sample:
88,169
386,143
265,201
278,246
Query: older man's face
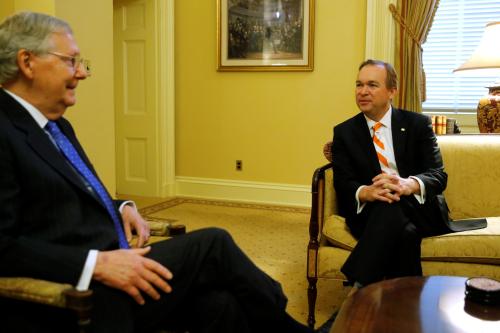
55,78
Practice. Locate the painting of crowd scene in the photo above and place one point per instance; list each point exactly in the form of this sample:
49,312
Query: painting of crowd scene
265,29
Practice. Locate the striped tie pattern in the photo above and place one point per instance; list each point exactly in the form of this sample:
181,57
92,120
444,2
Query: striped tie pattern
379,146
74,158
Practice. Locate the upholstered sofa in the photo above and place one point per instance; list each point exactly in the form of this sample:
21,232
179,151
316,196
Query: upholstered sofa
473,166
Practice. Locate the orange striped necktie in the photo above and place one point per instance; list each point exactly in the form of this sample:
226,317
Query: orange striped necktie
380,148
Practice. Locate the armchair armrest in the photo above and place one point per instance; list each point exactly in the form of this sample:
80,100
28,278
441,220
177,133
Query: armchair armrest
160,231
158,228
49,293
33,290
61,295
64,295
315,227
317,218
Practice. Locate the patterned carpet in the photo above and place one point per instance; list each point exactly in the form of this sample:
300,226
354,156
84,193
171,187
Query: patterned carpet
274,237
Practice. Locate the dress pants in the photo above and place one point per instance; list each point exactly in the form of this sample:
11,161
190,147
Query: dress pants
389,238
215,288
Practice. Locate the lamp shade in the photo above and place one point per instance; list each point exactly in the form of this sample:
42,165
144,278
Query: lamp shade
487,54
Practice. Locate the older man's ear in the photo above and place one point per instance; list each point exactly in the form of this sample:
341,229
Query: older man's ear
24,58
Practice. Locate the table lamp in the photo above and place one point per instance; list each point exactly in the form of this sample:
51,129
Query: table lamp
487,57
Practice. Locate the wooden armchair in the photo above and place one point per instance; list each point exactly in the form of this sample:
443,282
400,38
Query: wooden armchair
318,251
65,295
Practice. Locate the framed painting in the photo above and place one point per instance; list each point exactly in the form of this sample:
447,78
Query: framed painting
265,35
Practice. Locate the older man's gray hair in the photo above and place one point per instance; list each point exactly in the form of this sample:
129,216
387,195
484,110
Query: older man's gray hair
29,31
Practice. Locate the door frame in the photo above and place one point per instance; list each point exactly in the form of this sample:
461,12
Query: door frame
166,101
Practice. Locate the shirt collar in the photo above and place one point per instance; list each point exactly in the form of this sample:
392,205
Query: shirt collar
33,111
386,120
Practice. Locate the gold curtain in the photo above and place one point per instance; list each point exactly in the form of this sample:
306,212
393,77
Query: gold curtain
414,19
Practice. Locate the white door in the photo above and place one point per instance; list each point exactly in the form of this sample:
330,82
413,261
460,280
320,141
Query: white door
144,150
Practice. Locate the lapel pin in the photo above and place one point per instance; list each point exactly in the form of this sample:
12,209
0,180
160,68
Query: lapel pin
403,129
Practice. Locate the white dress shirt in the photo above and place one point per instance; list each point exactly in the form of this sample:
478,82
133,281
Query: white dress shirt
385,135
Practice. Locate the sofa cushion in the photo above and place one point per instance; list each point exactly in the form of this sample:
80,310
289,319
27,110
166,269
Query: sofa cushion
337,232
331,259
475,246
473,175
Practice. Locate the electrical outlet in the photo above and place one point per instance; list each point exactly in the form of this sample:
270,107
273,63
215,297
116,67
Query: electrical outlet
239,165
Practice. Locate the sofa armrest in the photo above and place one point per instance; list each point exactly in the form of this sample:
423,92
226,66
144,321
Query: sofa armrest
318,203
317,218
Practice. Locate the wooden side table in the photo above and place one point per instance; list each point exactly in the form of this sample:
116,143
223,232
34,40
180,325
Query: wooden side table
433,304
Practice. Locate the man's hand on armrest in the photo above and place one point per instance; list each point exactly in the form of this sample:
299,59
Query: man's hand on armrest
132,220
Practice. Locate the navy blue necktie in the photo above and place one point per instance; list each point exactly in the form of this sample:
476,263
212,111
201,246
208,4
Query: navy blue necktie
74,158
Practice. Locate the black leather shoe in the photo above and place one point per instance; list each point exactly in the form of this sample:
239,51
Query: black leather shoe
327,325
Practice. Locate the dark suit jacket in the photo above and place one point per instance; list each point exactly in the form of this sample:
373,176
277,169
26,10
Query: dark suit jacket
48,218
416,151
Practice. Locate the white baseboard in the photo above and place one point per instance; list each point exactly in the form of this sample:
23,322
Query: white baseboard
244,191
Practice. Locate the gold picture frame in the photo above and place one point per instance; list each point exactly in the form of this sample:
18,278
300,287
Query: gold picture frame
265,35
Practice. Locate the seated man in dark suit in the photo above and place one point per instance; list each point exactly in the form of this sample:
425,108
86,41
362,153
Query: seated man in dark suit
389,178
58,222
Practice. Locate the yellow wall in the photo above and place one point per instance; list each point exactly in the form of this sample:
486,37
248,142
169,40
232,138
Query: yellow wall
275,122
8,7
41,6
93,115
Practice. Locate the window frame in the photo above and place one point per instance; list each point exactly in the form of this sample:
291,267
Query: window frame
474,27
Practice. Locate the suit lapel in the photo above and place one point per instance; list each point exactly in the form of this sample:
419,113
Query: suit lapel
365,140
38,140
399,136
66,129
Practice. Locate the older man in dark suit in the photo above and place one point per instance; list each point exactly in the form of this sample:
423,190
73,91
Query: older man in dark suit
57,221
389,177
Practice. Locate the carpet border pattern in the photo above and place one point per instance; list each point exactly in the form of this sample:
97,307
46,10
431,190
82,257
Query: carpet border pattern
146,211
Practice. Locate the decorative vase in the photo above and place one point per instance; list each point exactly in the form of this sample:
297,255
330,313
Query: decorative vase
488,111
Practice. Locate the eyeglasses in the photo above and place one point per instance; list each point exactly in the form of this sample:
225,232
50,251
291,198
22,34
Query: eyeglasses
75,61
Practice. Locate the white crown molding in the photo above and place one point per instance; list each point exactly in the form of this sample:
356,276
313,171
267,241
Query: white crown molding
244,191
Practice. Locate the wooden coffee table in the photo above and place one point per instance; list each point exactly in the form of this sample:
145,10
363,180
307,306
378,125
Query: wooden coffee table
433,304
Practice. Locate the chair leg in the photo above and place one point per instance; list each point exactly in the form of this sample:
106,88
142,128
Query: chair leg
312,294
81,303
